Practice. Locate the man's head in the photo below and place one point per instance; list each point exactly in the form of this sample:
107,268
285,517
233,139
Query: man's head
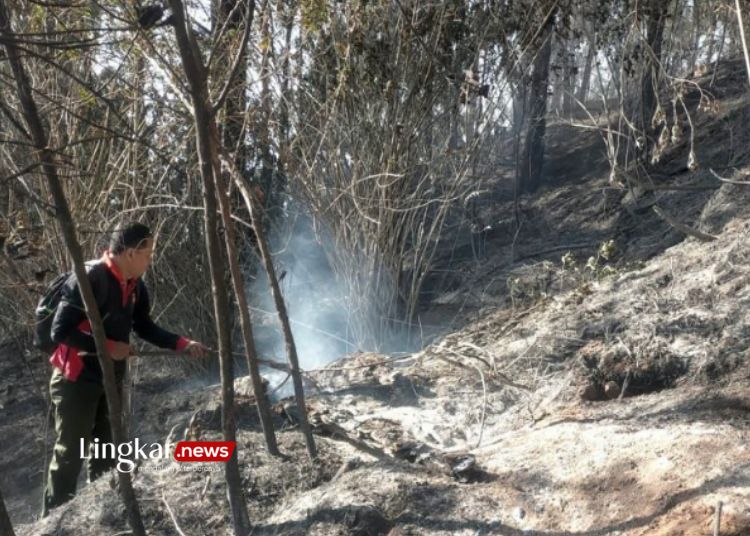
132,247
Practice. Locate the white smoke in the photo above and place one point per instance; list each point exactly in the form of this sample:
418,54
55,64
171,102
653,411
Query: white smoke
313,298
316,303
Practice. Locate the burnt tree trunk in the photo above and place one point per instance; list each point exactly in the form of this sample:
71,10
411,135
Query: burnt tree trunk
569,80
228,17
264,132
695,56
233,14
204,117
274,200
583,90
531,143
657,18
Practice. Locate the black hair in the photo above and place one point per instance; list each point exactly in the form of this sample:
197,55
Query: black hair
132,235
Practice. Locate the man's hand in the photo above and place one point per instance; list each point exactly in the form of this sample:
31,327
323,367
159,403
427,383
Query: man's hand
196,349
118,350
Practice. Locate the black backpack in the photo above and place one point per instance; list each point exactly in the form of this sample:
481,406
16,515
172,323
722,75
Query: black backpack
45,309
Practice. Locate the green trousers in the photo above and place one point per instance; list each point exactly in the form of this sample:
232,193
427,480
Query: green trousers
80,413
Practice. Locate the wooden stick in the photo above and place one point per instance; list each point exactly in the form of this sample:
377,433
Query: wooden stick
168,353
625,384
367,365
484,408
730,181
717,518
742,36
334,431
205,487
204,121
703,237
171,515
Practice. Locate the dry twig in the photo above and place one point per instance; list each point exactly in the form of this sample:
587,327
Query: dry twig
700,235
730,181
717,518
172,516
484,408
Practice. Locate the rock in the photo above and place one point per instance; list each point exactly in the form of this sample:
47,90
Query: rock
462,465
592,392
349,465
403,392
611,390
464,468
411,451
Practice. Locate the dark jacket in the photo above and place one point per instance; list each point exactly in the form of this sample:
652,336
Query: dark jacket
123,305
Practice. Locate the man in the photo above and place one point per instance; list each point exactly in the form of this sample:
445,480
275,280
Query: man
76,387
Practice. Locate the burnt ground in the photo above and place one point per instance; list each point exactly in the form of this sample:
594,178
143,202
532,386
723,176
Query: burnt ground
591,381
23,411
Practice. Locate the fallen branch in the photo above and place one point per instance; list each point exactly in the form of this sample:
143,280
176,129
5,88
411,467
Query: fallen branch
717,518
484,408
166,353
452,361
334,431
496,375
457,354
205,487
743,40
704,237
482,350
730,181
367,365
172,516
625,384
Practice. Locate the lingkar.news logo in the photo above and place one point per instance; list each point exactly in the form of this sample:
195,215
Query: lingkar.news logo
127,454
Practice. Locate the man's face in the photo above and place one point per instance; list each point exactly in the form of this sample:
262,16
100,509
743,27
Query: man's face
139,259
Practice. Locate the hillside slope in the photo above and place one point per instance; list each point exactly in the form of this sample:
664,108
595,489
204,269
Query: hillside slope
485,432
513,422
